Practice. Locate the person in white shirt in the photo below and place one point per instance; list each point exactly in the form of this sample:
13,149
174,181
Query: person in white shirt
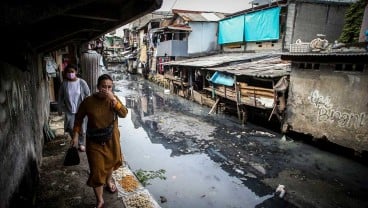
72,92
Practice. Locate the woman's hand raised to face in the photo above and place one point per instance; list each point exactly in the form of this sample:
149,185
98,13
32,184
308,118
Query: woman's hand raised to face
105,91
109,96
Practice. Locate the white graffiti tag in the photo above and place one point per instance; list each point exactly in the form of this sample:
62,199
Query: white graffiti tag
326,113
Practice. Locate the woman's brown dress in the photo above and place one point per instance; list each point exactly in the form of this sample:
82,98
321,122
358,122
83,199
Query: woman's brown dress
102,158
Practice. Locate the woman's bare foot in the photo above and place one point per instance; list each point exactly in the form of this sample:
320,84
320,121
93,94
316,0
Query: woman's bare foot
100,204
111,187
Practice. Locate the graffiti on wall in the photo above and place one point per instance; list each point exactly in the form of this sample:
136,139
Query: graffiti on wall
327,113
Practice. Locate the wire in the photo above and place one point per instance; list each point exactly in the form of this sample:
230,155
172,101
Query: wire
173,4
168,12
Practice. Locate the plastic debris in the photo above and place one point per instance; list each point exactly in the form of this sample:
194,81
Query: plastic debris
281,190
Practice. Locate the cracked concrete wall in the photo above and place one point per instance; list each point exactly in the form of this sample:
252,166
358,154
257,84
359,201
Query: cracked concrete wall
329,104
306,20
24,109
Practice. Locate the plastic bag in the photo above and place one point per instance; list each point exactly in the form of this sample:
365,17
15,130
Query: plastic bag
71,157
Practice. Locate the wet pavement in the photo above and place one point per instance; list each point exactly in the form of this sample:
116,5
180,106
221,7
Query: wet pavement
213,161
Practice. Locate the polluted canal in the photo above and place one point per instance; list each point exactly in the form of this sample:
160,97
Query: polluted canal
203,160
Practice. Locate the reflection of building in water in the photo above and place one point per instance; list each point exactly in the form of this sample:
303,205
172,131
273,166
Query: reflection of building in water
144,106
141,106
131,103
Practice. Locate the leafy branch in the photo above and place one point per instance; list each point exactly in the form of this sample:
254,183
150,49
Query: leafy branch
145,175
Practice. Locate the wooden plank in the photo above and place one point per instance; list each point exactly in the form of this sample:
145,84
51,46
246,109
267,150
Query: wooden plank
257,93
214,106
257,88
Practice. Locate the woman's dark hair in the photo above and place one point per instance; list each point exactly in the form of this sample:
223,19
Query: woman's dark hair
69,66
103,77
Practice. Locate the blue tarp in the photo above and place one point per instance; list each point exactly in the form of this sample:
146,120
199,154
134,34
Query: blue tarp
262,25
231,30
256,26
223,79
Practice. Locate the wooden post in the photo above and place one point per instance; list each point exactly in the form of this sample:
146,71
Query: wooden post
237,100
214,106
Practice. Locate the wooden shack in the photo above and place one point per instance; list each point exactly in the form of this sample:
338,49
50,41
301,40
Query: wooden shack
259,84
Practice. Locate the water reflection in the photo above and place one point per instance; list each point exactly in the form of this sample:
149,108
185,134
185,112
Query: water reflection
166,132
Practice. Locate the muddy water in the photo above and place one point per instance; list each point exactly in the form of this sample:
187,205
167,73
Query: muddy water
212,161
155,136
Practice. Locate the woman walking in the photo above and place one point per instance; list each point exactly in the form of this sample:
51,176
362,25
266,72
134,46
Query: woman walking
72,92
102,142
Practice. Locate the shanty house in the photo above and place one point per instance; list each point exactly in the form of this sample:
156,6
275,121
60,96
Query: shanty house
190,33
274,25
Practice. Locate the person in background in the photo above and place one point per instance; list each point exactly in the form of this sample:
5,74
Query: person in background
101,108
91,65
72,92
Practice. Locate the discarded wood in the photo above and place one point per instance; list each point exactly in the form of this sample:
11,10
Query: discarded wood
214,106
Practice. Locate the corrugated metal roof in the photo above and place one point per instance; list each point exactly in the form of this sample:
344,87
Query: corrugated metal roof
329,1
183,28
201,17
218,59
265,68
327,54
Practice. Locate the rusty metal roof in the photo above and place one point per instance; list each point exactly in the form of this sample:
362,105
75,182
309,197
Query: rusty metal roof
264,68
218,59
195,16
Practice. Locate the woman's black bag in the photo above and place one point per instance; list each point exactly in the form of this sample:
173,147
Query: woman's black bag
71,157
100,135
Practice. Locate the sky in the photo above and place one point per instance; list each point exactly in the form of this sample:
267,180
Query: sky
226,6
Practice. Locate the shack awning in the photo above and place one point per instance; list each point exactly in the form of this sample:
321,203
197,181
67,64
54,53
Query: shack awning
219,59
264,68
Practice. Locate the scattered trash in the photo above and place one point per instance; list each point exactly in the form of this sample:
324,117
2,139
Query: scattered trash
280,189
262,133
166,91
163,199
259,168
239,171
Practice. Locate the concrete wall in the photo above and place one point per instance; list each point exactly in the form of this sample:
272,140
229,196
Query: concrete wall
329,104
306,20
172,48
364,27
24,109
264,46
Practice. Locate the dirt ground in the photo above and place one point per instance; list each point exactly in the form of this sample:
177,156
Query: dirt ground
61,186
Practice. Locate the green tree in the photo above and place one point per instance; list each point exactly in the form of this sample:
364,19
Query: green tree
353,22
